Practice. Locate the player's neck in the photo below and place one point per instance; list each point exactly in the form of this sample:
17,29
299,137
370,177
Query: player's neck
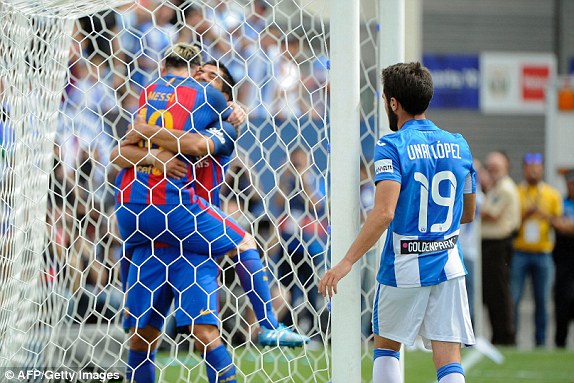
179,72
403,118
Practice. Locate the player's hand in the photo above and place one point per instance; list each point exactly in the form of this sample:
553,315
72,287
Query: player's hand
237,116
328,284
172,167
132,137
141,126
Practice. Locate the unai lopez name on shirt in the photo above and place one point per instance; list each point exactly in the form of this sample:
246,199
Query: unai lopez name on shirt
434,151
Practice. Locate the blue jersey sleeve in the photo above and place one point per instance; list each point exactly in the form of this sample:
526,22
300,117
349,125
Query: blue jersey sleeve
217,102
387,161
470,181
223,136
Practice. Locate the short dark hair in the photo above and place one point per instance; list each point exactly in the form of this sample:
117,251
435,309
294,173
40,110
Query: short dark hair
228,80
183,55
410,84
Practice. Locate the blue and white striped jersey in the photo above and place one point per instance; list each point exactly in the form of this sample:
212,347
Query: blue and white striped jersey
434,169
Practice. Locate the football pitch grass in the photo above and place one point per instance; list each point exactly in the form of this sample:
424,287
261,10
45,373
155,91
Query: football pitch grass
519,366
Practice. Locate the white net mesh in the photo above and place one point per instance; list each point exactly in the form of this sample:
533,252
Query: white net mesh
33,53
64,110
34,62
69,9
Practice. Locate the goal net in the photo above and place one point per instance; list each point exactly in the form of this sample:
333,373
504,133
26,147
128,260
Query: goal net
71,76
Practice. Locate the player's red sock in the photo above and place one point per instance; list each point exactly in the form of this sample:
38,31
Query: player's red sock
255,283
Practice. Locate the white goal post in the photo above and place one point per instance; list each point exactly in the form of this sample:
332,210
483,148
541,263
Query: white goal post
308,75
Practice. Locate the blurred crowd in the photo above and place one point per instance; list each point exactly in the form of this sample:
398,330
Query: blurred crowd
526,236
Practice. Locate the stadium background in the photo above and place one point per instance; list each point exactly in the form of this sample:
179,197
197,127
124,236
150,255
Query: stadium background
467,28
453,28
459,29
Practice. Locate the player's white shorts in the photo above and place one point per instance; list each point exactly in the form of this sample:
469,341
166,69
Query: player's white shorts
437,312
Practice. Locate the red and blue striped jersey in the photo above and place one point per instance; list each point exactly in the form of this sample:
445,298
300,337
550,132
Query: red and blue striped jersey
179,103
210,170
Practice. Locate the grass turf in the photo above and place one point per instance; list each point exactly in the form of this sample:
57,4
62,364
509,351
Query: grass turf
538,366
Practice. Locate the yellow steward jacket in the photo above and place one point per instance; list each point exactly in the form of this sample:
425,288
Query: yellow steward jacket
535,235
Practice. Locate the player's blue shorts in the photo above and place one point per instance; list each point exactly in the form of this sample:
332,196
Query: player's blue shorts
158,277
199,228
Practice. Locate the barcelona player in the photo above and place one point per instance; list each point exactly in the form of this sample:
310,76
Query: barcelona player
164,211
425,188
248,266
209,170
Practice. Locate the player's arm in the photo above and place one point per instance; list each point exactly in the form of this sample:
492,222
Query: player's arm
386,197
176,141
218,138
128,156
469,197
223,136
468,208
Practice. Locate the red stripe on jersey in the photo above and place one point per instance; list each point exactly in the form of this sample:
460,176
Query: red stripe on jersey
126,186
158,187
181,106
204,180
160,245
192,193
218,286
229,223
143,95
218,171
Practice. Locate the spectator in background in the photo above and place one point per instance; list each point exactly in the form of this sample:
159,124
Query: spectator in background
203,25
89,277
94,39
500,215
84,136
302,231
240,186
227,14
255,23
7,149
290,92
540,205
316,81
241,200
155,33
259,90
469,237
564,261
7,141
